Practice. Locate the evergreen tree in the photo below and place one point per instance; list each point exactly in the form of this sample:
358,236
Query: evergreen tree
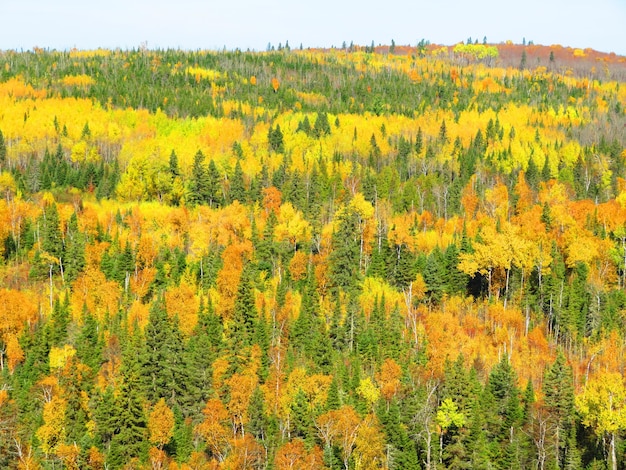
214,191
173,165
237,185
74,262
275,139
3,150
257,417
51,238
401,448
105,417
130,437
435,275
558,389
89,344
321,126
200,184
58,322
245,319
345,254
162,370
301,418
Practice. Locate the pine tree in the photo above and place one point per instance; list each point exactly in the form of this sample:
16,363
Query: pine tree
301,419
434,275
257,417
105,417
275,139
401,448
202,349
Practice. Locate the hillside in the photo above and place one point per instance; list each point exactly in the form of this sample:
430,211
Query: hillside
368,257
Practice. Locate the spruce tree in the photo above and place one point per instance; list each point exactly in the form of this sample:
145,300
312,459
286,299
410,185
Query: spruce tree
74,262
558,389
89,344
162,370
199,185
51,238
237,186
345,255
130,438
245,319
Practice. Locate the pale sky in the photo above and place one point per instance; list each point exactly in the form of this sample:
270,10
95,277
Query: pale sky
246,24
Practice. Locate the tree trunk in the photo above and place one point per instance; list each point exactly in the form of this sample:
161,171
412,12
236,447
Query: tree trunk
612,452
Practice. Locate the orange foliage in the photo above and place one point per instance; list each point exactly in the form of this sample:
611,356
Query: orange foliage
298,265
213,429
92,291
272,200
183,302
389,379
227,282
293,455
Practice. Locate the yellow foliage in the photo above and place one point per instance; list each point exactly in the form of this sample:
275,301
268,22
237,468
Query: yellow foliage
368,391
77,80
52,433
59,356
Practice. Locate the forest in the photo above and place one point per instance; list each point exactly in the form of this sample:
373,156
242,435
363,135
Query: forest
366,257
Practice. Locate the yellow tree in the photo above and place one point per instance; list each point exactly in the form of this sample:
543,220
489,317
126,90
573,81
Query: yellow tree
340,427
602,405
213,429
52,433
369,446
161,424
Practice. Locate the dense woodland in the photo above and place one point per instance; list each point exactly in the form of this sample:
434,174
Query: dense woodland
357,258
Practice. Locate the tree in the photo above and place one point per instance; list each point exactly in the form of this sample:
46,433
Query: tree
237,186
275,139
214,430
558,389
340,427
345,255
602,405
321,126
130,436
200,183
3,150
161,424
163,371
245,319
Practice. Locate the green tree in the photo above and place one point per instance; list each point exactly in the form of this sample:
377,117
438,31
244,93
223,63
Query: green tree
558,389
345,255
3,150
199,184
163,368
130,437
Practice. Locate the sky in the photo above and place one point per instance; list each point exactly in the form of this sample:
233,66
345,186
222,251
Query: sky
247,24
